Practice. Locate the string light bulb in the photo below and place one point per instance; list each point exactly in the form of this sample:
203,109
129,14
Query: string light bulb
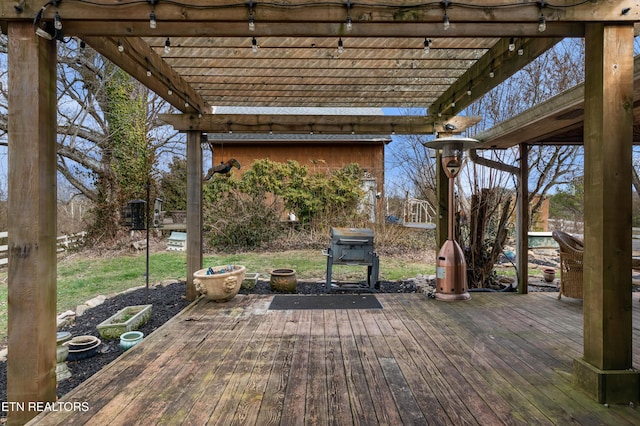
445,5
254,45
542,21
167,46
252,22
153,24
340,45
470,86
453,100
169,91
512,44
427,46
349,24
120,47
57,22
491,71
520,50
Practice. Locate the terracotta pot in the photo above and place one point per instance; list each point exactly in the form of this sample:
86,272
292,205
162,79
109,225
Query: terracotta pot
283,281
217,285
549,274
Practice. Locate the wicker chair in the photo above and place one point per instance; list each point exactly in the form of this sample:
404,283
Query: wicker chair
571,254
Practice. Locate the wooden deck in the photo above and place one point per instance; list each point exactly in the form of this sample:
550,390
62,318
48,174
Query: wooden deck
495,359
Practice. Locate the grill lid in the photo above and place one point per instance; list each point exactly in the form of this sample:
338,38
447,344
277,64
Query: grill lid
352,236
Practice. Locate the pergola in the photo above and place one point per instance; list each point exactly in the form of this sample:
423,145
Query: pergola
438,56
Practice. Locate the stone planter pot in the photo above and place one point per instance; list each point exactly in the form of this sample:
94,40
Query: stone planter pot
283,281
130,339
250,281
219,283
549,274
127,319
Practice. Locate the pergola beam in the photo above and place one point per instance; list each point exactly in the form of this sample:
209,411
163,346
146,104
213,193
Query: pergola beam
322,29
316,124
137,58
503,62
488,11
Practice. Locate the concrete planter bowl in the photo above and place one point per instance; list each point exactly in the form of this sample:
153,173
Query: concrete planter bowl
219,283
127,319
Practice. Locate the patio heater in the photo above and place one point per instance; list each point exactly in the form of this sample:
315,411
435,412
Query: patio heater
451,268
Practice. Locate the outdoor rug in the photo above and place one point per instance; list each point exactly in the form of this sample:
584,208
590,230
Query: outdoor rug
329,301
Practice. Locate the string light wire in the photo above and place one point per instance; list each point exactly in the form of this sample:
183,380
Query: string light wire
417,5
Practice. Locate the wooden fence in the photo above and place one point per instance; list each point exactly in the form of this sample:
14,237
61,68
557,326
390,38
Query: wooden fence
64,243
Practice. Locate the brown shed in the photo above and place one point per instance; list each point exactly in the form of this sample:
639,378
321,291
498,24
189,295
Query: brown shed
319,153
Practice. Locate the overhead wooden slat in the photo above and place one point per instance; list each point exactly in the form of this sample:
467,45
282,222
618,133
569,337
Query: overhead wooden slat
342,62
415,53
360,102
368,43
208,81
440,74
329,89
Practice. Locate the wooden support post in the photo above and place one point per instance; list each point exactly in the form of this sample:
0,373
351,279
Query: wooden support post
31,358
194,210
442,191
605,371
522,221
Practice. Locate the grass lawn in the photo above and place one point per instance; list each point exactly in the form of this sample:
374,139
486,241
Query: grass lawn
81,278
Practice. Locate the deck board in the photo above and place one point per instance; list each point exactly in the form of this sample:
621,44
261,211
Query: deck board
495,359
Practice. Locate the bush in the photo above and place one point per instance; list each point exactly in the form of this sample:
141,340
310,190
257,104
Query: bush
249,212
235,221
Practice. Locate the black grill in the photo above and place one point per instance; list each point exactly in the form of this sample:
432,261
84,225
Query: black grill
353,246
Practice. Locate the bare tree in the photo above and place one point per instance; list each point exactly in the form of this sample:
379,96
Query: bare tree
89,157
485,196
